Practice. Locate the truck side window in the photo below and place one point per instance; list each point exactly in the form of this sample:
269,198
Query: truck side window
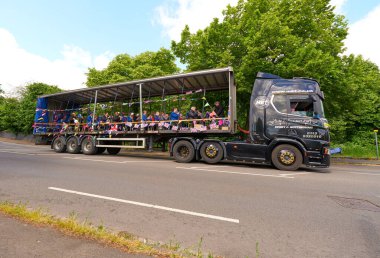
280,103
301,107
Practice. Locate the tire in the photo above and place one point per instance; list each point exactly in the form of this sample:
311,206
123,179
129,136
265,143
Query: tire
101,150
72,145
183,152
211,152
59,144
287,157
113,151
88,146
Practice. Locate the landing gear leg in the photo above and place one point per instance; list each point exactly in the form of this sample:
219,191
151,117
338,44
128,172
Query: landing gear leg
150,144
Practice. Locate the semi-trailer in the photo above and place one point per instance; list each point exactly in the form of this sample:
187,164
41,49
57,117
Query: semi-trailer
287,125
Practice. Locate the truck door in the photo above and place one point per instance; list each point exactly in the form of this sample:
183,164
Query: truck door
276,116
305,118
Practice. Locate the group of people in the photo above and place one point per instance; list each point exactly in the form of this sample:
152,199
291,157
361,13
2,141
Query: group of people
119,121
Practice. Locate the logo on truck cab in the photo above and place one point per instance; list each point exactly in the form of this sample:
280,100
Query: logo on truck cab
262,102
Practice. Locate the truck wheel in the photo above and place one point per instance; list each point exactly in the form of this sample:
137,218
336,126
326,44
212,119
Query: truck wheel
59,144
101,150
211,152
88,146
113,151
286,157
183,152
72,145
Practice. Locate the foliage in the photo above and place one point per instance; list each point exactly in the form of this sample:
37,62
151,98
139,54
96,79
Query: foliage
357,150
1,93
291,38
9,108
125,68
17,115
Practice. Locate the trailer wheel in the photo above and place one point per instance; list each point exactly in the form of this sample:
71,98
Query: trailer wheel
183,152
113,151
101,150
88,146
59,144
72,145
287,157
211,152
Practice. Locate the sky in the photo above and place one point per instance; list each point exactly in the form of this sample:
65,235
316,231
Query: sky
55,42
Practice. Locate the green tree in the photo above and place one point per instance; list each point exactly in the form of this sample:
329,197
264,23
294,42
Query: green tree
1,94
357,109
9,108
285,37
125,68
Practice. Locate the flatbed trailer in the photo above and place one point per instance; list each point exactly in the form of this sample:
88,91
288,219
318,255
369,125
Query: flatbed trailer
275,136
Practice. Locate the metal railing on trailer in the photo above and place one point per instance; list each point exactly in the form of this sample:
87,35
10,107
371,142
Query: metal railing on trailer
121,142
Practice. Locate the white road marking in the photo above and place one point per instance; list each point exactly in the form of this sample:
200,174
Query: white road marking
21,145
295,174
234,172
147,205
351,169
211,166
29,154
16,152
114,161
357,164
371,174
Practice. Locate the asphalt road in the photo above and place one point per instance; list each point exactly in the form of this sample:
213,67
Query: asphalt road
233,208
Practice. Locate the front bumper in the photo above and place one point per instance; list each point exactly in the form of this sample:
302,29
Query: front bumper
317,159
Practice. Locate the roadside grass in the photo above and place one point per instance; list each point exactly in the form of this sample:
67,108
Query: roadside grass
122,240
355,150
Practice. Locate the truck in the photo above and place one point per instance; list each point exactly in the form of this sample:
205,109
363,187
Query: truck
287,126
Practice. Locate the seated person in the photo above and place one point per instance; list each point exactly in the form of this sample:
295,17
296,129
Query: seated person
157,116
193,113
88,122
218,109
95,125
58,119
116,119
89,119
73,121
164,116
131,117
137,118
144,116
174,115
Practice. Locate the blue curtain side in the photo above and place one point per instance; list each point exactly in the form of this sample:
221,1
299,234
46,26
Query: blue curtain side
41,116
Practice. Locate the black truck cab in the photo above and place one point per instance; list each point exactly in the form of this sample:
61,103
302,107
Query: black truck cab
287,126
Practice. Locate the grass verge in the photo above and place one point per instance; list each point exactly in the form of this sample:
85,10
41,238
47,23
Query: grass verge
354,150
71,226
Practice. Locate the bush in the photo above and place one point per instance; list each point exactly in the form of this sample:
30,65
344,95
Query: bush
356,150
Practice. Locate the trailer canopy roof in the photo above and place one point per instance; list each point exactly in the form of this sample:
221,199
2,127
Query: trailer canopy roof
207,80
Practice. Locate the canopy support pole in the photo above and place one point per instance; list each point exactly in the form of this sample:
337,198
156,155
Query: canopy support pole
141,102
114,100
203,102
95,102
